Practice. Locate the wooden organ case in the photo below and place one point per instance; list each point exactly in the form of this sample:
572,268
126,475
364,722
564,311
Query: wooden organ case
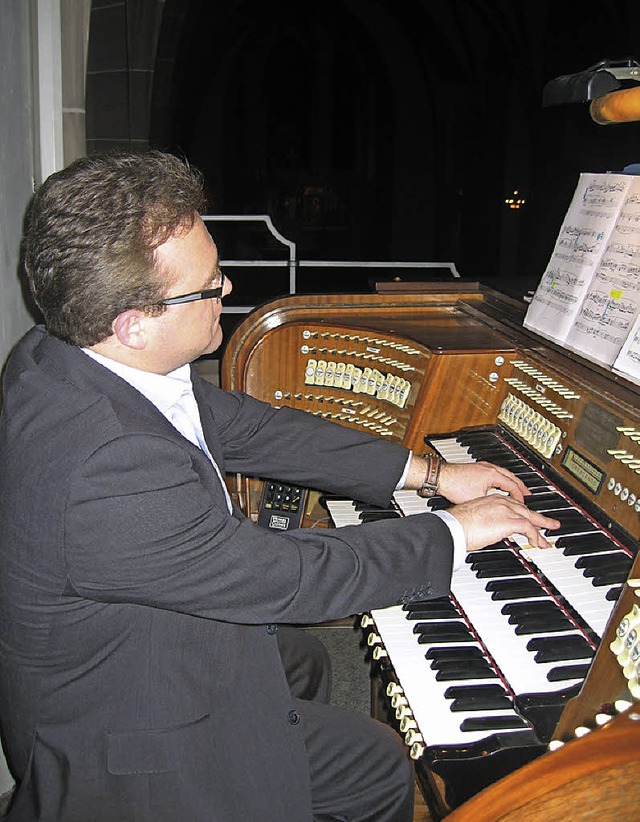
451,366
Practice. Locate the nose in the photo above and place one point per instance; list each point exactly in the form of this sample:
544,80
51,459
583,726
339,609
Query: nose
227,288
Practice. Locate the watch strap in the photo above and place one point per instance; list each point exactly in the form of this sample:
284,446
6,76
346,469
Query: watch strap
429,487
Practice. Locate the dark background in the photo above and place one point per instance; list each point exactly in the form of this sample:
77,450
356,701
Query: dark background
372,129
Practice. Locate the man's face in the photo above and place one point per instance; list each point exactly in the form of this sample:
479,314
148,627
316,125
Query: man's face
186,331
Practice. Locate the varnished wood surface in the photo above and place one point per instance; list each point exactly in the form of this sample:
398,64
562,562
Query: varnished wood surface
591,778
413,316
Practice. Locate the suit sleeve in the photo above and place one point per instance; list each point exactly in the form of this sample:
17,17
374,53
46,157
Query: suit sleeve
291,445
146,523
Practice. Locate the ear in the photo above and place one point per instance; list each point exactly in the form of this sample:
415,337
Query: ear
130,329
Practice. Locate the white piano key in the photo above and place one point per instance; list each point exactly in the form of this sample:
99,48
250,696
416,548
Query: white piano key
588,600
508,649
434,718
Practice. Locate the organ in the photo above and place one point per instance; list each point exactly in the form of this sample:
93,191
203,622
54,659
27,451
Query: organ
478,684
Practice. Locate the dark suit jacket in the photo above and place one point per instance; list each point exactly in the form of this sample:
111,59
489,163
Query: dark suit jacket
140,674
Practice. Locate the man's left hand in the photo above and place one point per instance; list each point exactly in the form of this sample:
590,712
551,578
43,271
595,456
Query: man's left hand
460,482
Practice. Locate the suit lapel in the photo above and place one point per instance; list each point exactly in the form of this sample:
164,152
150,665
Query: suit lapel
95,381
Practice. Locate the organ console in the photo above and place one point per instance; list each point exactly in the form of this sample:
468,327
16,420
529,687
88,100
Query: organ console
519,656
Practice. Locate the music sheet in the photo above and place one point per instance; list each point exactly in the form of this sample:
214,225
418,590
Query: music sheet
612,301
628,360
589,293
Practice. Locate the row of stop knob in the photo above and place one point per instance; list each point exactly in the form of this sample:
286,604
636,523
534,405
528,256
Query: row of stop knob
395,693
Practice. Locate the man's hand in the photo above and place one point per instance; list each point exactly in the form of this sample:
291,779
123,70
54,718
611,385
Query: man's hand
490,519
462,482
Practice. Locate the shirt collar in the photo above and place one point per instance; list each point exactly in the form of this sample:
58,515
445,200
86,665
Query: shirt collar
163,390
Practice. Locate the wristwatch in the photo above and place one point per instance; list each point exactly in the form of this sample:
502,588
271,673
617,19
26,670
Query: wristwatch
429,487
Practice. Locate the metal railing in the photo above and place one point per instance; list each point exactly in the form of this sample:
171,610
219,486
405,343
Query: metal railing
294,264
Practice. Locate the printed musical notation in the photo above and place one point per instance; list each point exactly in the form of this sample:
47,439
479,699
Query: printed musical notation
588,298
580,238
605,193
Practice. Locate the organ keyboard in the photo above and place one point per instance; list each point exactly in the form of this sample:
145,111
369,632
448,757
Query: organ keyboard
489,671
480,682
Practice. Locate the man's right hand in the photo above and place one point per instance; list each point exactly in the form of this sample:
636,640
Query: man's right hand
492,518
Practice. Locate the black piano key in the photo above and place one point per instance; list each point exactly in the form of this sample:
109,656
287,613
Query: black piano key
556,649
573,527
593,542
472,666
564,672
485,449
457,652
443,612
514,588
515,466
464,672
614,594
546,502
456,626
432,606
536,488
442,632
543,625
619,568
605,579
492,689
481,703
494,449
493,723
366,506
501,569
615,558
524,470
515,610
437,602
583,550
567,515
531,480
477,558
478,436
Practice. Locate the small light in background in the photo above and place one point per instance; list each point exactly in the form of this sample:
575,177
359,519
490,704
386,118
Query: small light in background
514,201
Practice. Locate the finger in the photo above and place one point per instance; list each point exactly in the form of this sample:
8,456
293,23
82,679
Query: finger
533,534
506,481
533,539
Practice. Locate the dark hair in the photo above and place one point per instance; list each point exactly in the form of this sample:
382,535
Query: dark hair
91,234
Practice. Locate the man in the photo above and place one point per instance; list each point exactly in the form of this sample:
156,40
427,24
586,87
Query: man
146,670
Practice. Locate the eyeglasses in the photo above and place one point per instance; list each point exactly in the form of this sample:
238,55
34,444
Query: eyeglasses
207,294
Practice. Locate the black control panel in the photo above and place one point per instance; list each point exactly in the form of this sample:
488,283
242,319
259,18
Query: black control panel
281,506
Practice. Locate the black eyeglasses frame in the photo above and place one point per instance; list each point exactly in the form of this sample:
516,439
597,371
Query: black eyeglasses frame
206,294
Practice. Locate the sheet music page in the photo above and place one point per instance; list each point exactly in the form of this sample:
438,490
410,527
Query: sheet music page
612,301
628,360
581,242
